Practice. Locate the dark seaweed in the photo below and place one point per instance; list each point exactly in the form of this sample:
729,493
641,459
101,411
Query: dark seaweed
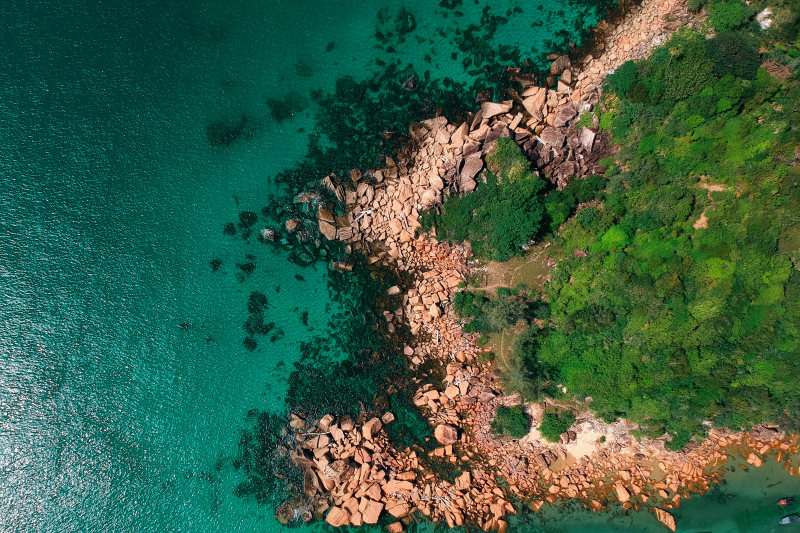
262,458
224,133
247,219
286,107
247,268
250,343
257,303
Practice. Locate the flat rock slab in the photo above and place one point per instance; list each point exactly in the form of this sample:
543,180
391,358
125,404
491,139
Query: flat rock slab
551,137
492,109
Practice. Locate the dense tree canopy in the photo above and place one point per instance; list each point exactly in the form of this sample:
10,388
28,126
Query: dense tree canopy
676,299
686,307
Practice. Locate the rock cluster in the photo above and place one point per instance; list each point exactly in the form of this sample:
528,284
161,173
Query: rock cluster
448,158
644,27
352,471
355,477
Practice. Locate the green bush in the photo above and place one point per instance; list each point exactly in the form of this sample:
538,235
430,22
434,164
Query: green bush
734,53
485,357
555,423
639,93
559,206
586,120
468,304
606,119
493,315
623,78
510,422
523,373
504,312
507,161
728,15
695,5
685,69
501,215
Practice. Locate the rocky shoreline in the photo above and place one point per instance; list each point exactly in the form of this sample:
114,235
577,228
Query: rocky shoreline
353,474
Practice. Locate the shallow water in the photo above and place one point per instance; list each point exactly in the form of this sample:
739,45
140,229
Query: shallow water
124,380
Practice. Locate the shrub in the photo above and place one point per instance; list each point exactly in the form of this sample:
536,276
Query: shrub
485,357
555,423
728,15
685,70
622,78
501,215
695,5
468,303
639,93
606,120
734,53
586,120
504,312
523,373
559,205
510,422
589,218
507,161
678,441
614,239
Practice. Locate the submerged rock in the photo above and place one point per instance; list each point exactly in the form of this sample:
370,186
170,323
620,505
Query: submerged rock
269,234
665,518
225,133
247,219
294,511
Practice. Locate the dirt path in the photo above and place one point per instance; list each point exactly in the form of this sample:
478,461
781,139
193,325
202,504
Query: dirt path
702,222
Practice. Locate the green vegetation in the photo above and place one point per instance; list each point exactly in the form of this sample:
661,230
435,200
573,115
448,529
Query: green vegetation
735,54
485,357
492,315
685,307
524,373
555,423
668,322
729,15
682,306
586,120
510,209
510,422
501,215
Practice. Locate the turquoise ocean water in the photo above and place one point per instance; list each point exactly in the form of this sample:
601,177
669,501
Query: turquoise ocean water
124,380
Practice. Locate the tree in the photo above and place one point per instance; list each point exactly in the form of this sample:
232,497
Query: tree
555,423
734,53
510,422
